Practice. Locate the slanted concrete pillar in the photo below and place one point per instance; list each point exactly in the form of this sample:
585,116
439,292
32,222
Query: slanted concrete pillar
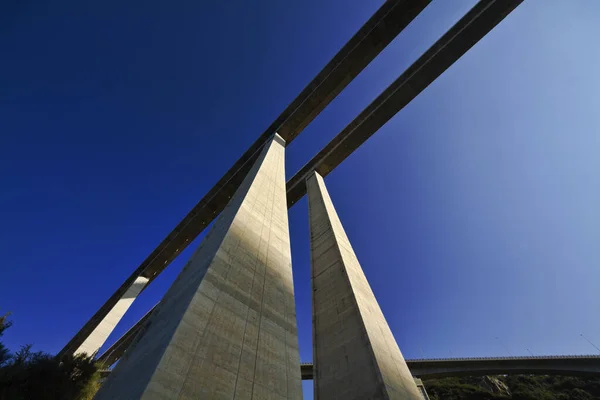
92,343
421,388
355,355
226,329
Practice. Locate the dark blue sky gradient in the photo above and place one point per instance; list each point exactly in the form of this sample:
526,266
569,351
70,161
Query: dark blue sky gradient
474,212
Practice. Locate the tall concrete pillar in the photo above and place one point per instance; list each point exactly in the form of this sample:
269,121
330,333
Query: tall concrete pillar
355,355
96,339
226,329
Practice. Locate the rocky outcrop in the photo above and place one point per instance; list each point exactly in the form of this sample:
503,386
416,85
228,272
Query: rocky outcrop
494,384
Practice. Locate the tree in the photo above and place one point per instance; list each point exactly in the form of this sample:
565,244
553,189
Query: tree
29,375
4,323
4,352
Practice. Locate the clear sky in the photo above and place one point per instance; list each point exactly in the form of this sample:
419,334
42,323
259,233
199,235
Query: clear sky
474,212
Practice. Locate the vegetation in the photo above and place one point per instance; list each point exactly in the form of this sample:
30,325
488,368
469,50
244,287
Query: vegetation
27,375
517,387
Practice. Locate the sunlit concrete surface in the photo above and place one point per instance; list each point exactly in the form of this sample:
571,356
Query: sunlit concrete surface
226,329
354,351
96,339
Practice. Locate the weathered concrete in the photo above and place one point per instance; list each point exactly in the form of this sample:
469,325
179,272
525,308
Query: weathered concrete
96,339
387,22
354,352
226,329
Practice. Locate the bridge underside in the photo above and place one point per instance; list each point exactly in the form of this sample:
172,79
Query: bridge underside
561,366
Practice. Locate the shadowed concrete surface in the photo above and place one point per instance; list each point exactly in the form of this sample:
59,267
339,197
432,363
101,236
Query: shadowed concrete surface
354,350
226,328
391,18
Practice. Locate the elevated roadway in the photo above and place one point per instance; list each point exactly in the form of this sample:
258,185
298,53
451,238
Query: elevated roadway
586,365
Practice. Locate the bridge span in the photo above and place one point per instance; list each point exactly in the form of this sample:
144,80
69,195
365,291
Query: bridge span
585,365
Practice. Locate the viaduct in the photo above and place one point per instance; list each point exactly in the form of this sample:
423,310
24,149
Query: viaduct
226,328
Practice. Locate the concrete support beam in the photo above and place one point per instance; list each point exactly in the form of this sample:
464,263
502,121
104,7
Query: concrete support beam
354,352
120,346
226,329
96,339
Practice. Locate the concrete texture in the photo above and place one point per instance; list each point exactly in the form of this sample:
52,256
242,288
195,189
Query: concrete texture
226,329
583,365
354,352
96,339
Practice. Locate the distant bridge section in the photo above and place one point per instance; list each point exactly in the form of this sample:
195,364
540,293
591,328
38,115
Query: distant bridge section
586,365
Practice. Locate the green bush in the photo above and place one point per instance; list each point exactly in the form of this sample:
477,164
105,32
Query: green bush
28,375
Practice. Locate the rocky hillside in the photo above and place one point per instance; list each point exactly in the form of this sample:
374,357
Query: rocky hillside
516,387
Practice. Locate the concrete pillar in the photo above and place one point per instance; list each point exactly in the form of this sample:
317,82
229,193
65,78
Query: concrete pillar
355,355
226,329
92,343
421,388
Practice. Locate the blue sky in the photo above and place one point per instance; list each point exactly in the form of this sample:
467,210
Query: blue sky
474,212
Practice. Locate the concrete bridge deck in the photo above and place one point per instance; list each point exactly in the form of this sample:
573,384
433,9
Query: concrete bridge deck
584,365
